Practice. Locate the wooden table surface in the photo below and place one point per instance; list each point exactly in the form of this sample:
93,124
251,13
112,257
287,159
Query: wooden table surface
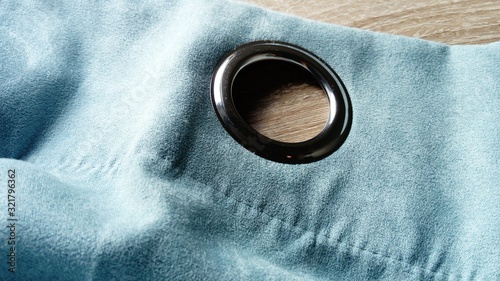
297,110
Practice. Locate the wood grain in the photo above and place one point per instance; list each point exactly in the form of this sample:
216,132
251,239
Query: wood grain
279,99
298,111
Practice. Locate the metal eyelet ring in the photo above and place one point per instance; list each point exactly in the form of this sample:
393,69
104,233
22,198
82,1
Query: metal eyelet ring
326,142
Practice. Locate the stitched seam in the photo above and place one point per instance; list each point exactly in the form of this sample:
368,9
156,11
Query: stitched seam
296,228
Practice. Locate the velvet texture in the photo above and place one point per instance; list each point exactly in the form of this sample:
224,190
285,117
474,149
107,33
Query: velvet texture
123,171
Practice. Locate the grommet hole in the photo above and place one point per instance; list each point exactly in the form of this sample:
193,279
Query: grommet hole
280,100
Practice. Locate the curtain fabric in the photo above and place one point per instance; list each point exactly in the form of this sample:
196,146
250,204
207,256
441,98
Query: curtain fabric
118,169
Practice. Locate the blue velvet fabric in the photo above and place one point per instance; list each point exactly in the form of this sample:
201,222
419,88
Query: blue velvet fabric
122,171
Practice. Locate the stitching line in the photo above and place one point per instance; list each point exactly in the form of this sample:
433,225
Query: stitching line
296,228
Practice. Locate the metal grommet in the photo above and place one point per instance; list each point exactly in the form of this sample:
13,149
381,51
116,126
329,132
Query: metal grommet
326,142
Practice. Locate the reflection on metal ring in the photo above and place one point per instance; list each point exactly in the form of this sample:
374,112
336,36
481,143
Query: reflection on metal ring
326,142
